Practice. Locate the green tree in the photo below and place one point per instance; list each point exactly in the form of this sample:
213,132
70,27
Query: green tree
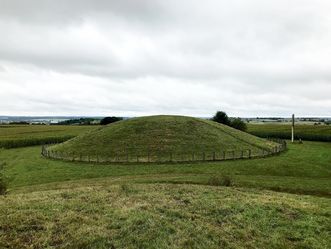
221,117
109,120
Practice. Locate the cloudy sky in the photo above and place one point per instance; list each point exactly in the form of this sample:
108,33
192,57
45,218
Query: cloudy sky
143,57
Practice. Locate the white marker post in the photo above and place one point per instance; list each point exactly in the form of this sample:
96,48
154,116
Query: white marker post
292,128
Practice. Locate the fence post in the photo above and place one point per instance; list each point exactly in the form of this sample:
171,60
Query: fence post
249,153
214,156
242,154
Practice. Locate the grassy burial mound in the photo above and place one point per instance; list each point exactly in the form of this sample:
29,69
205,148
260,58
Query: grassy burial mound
162,138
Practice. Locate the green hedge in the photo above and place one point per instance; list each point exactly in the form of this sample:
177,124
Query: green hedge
287,135
8,144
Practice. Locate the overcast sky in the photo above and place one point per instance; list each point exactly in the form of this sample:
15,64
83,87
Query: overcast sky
144,57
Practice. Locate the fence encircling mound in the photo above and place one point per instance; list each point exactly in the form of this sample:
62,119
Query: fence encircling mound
153,157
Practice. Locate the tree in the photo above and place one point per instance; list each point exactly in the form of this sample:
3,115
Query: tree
221,117
109,120
238,124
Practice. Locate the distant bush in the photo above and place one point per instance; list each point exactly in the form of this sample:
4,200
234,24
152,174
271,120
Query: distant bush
220,181
109,120
79,121
238,124
19,123
222,118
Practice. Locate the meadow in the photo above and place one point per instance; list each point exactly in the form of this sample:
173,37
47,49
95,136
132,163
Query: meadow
281,201
13,136
302,131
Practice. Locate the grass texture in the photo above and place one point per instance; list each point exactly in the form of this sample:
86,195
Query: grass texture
161,136
283,131
13,136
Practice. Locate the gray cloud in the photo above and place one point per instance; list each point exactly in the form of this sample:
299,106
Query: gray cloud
145,57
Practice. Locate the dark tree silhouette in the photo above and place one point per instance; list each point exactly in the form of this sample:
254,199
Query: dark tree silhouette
109,120
221,117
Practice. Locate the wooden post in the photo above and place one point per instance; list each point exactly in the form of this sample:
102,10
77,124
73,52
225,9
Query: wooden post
292,128
242,154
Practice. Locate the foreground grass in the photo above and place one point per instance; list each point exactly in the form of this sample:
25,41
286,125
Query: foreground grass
163,216
13,136
302,131
304,168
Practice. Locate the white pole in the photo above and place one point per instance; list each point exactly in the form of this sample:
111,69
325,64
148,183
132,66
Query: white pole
292,128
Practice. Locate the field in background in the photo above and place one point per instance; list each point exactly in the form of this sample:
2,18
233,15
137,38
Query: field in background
13,136
283,131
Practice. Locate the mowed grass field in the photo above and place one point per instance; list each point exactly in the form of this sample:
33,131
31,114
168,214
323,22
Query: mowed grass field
12,136
281,201
283,131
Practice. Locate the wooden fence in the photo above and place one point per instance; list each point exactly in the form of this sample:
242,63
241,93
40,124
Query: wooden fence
151,157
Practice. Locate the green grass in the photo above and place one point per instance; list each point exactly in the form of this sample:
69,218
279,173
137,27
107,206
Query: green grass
60,204
161,136
302,131
163,216
13,136
304,168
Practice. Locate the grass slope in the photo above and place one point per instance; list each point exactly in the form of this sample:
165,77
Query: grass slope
13,136
303,131
161,135
163,216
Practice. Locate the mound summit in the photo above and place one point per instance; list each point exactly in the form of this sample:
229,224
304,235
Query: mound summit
161,135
